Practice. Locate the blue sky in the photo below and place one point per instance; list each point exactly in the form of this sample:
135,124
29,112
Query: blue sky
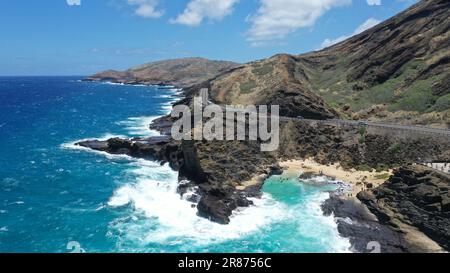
81,37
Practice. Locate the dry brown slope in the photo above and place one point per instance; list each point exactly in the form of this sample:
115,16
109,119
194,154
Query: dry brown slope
179,72
398,71
279,80
395,72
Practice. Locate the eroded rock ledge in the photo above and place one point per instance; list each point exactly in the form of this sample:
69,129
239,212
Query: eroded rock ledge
216,196
409,213
416,196
218,167
215,169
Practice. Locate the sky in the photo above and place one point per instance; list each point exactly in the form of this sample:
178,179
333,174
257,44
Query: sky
82,37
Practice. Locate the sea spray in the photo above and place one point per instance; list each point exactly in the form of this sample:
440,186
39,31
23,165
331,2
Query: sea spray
139,126
148,215
153,193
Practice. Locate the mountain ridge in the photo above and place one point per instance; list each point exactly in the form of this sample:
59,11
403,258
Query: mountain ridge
395,72
183,72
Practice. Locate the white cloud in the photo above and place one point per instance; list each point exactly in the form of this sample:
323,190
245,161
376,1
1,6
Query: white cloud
369,23
275,19
73,2
146,8
374,2
198,10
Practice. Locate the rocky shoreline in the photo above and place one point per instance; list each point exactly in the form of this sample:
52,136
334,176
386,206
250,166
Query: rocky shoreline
408,213
215,172
406,49
215,199
394,219
183,72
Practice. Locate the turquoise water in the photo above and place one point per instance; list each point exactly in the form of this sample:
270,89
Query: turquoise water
53,193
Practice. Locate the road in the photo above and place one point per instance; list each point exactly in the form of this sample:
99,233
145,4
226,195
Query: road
442,132
380,125
442,167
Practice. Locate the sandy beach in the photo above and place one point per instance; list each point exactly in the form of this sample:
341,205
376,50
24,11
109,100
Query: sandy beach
359,180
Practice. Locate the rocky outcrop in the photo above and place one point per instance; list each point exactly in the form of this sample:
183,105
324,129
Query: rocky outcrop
213,175
414,196
399,65
219,201
278,80
218,168
161,149
361,227
224,165
421,31
178,72
329,144
395,72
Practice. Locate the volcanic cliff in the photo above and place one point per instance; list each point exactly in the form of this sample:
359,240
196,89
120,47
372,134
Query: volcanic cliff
178,72
397,72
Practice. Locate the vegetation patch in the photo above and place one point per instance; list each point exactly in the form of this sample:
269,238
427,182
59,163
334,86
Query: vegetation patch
395,92
364,168
383,176
395,148
248,86
362,134
381,168
263,70
442,104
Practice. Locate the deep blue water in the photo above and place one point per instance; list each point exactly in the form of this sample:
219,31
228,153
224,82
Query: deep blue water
52,193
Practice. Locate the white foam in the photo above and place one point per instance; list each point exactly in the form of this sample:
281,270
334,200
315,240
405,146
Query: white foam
151,191
167,107
16,203
174,95
154,194
112,83
314,224
72,146
166,96
139,126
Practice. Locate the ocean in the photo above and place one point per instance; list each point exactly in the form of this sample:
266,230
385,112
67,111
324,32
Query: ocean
54,195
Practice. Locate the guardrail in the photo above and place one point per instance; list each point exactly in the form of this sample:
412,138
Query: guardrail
441,132
442,167
379,125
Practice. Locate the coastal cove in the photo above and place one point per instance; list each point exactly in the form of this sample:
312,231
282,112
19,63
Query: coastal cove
115,203
211,135
222,200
